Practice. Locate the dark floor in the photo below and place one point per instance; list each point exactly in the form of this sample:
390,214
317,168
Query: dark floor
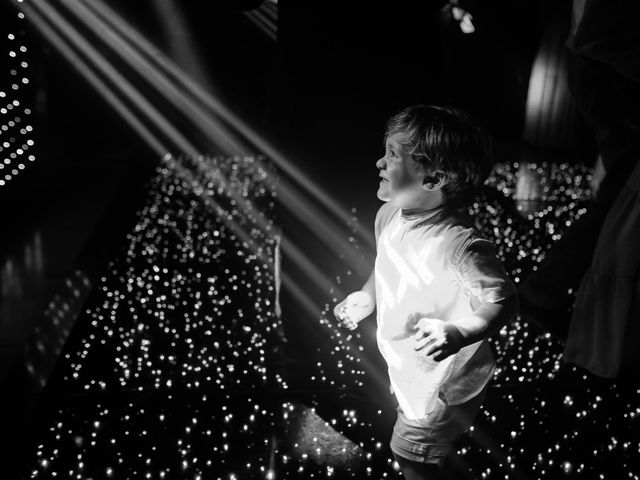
145,342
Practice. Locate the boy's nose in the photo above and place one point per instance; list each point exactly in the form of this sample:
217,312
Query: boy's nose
380,163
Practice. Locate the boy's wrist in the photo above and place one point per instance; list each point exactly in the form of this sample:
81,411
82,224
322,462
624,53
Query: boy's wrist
470,329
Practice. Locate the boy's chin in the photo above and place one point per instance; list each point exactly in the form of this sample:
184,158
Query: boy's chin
383,195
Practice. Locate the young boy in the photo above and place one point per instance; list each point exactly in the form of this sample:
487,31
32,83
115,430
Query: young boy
439,289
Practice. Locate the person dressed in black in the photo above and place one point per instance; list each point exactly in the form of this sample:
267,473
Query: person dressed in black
604,79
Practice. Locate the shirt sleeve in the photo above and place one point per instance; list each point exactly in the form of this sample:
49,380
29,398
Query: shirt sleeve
480,271
383,216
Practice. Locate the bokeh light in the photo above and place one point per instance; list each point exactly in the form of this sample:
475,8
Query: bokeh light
176,369
16,129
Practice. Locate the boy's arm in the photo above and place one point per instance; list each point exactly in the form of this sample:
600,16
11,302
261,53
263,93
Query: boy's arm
497,303
358,305
370,286
368,290
441,339
487,319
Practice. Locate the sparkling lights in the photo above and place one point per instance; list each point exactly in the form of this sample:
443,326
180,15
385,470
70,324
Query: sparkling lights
16,143
545,419
175,370
190,304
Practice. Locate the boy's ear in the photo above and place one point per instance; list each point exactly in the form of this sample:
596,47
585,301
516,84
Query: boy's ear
434,181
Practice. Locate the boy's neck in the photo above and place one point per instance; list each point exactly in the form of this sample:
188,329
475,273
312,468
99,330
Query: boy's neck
419,212
431,203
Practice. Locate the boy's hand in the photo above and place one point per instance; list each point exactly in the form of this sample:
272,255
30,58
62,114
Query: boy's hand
340,312
354,308
438,338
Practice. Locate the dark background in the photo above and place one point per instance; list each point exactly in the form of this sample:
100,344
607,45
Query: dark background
322,91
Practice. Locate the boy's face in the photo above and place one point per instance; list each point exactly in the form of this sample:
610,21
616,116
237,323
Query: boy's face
401,182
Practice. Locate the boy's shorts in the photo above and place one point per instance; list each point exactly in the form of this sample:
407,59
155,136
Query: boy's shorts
431,439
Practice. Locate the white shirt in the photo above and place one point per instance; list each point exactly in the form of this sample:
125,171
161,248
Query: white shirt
432,265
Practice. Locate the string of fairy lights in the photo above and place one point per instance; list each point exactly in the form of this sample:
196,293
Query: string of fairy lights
16,131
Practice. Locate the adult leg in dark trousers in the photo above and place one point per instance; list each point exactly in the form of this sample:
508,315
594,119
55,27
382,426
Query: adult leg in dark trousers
608,100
